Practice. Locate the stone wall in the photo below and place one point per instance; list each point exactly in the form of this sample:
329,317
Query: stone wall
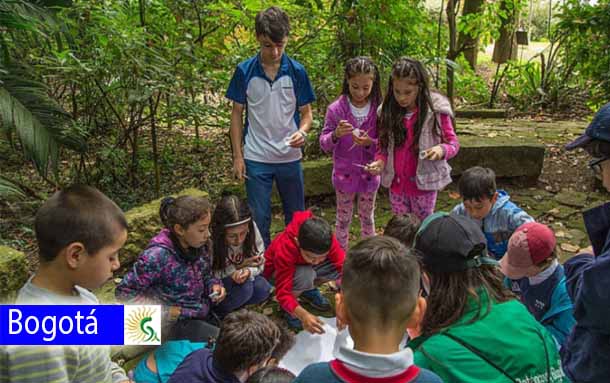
13,272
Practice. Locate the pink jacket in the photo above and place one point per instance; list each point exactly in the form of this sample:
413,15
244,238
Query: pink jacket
347,177
404,173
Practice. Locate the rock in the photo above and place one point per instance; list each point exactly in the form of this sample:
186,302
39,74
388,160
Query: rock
482,113
13,272
562,212
571,198
569,247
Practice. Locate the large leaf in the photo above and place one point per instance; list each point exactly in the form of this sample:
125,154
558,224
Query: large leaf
9,189
39,122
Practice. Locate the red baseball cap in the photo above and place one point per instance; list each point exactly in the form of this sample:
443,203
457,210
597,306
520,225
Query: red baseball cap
529,245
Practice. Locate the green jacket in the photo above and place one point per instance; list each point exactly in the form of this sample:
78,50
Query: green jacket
507,336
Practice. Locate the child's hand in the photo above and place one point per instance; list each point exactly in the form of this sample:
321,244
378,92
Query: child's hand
221,293
435,153
296,139
240,276
255,261
362,140
375,167
239,168
312,324
344,128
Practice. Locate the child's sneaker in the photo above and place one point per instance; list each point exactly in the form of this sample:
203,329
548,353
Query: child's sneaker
316,300
294,323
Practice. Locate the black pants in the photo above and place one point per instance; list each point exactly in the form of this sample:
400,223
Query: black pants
194,330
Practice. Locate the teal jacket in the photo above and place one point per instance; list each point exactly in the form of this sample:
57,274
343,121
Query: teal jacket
505,344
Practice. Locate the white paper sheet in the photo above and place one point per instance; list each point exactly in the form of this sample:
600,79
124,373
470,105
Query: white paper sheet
314,348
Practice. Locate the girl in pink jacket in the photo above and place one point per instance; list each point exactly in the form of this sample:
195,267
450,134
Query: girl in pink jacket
416,138
350,133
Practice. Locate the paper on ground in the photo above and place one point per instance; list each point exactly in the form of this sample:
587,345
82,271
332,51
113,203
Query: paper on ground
313,348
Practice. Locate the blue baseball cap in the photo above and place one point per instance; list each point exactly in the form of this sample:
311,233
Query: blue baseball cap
598,129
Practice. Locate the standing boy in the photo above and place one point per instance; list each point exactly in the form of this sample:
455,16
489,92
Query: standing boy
79,233
305,254
276,95
492,209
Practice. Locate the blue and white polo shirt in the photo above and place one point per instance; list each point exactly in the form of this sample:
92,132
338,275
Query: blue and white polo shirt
272,107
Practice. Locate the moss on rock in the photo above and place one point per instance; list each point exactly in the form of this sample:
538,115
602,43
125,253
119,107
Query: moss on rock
13,272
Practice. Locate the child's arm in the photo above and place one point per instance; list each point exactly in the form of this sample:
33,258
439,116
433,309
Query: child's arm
145,273
326,137
517,218
284,275
450,144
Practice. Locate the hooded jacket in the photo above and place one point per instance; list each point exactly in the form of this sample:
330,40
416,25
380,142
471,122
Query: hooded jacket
164,274
586,353
349,159
500,223
283,256
199,367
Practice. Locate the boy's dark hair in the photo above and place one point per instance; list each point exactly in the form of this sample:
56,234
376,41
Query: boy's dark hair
286,342
403,228
271,375
477,183
246,339
229,210
78,213
184,210
273,22
315,235
381,281
363,65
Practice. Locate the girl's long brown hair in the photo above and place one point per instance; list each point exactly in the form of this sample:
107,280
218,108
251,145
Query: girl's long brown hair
449,294
363,65
392,113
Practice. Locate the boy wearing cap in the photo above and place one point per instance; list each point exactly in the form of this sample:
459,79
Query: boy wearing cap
492,209
473,329
586,352
538,278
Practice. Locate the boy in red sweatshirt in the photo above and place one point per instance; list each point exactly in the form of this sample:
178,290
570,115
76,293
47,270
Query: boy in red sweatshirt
306,253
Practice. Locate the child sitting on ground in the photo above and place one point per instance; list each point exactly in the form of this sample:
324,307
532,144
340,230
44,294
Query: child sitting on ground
538,278
79,232
238,255
304,254
245,344
403,228
380,298
174,270
473,330
492,209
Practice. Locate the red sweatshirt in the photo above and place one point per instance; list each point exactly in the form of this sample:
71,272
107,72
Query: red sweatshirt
283,256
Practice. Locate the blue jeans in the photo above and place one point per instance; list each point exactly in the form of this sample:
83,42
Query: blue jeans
250,292
289,181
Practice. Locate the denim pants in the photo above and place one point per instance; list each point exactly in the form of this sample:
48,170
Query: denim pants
250,292
289,181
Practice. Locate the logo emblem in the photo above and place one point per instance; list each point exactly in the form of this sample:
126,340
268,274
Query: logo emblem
142,325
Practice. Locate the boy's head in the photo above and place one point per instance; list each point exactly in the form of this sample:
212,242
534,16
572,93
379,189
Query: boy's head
477,186
246,342
271,375
596,141
81,230
314,240
272,28
531,249
286,342
403,228
380,287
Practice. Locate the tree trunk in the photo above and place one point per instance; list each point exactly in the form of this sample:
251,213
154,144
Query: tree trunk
452,7
470,43
505,48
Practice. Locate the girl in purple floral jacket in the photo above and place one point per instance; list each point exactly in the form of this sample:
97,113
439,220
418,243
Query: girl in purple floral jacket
174,269
350,133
